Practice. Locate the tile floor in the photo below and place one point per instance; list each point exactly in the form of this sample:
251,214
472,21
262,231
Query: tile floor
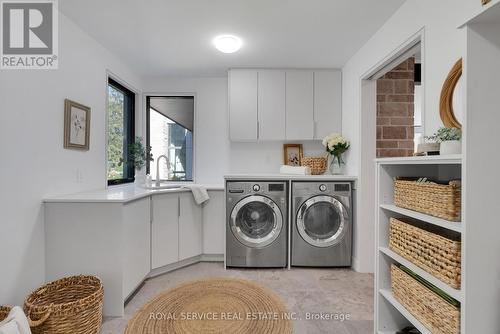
304,290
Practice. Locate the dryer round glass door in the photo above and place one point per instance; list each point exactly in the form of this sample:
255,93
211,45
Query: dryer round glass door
322,221
256,221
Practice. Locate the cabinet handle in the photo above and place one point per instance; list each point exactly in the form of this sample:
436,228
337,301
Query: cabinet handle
178,207
314,129
258,129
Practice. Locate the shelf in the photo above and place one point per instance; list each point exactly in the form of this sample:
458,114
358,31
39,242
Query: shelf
457,294
454,226
489,14
390,298
428,159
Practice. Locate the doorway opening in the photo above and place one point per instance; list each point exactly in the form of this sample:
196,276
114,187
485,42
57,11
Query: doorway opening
399,105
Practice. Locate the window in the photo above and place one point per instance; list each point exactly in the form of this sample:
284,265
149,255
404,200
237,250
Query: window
170,133
121,132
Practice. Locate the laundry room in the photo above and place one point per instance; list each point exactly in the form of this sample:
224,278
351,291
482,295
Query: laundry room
249,166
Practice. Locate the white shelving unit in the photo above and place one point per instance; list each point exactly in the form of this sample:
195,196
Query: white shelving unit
390,315
480,173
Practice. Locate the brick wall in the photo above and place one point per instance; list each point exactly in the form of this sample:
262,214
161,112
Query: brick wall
395,103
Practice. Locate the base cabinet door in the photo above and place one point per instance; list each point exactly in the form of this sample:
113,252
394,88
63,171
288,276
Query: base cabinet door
136,243
190,227
214,220
164,230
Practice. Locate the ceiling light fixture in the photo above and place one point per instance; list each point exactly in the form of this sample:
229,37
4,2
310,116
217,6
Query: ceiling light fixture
227,43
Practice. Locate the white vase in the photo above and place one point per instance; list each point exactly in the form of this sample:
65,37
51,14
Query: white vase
450,147
140,177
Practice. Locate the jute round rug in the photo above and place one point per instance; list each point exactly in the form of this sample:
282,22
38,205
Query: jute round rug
213,306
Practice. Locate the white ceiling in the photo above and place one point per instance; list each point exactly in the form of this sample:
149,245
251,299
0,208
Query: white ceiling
174,37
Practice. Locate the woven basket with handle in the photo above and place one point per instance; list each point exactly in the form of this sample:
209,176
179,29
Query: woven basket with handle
439,200
434,312
437,252
68,305
316,164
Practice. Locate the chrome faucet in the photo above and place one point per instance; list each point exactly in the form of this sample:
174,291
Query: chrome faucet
157,183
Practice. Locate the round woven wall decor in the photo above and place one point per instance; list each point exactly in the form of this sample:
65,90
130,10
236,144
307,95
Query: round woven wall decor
213,306
446,100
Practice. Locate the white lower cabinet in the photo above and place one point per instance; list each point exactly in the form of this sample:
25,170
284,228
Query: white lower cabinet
214,224
136,245
164,230
190,227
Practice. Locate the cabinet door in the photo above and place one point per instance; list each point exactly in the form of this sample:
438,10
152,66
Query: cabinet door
214,223
327,103
243,105
136,244
271,105
165,230
190,227
299,105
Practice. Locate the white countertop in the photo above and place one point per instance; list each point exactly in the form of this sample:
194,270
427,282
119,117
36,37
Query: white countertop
277,176
118,194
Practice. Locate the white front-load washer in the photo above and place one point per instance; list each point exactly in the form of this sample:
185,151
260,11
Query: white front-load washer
256,223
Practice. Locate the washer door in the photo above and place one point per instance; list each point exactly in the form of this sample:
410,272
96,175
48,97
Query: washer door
321,221
256,221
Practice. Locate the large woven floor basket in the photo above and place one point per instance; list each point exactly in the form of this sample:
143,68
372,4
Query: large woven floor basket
435,251
435,313
439,200
69,305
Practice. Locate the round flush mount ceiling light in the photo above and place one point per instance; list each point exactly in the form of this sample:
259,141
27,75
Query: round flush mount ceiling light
227,43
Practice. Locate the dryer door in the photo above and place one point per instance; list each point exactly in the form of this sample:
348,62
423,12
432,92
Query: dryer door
256,221
322,221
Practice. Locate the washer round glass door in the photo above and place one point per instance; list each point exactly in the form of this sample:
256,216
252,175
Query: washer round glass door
321,221
256,221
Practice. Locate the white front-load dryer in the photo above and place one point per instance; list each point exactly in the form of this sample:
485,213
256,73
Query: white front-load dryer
321,224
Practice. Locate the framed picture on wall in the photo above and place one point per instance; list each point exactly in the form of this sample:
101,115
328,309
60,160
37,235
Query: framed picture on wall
485,2
76,126
292,154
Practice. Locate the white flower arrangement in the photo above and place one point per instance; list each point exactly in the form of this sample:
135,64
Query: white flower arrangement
336,144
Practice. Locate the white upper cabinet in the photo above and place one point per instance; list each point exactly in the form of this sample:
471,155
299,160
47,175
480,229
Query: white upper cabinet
327,103
271,104
299,105
243,105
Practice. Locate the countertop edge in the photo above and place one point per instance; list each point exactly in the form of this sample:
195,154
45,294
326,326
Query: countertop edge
128,194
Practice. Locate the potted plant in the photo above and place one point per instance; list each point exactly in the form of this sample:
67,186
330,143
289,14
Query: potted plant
335,144
450,140
138,155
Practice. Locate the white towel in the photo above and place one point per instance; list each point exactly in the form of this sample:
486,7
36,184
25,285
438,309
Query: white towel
295,170
200,193
15,323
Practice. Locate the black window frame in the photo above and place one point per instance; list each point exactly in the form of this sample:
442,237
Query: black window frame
148,133
129,131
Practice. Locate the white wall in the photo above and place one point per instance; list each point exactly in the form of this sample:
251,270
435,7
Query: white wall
215,155
443,45
33,161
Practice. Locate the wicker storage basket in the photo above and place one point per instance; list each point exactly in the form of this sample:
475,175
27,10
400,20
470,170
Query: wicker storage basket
69,305
4,311
439,200
316,164
439,255
435,313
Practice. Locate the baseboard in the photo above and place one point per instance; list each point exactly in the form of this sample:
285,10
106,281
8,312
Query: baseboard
212,258
185,263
